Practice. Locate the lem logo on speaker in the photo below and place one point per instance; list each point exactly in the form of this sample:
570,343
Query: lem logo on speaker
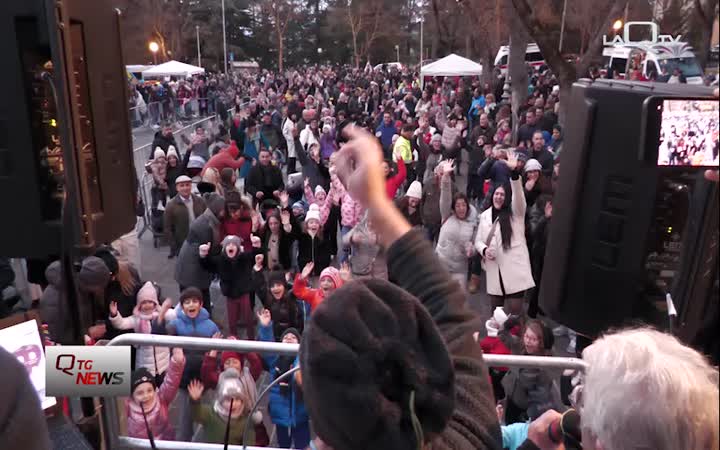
80,371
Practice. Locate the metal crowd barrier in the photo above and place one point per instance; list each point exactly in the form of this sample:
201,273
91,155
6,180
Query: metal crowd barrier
170,110
109,411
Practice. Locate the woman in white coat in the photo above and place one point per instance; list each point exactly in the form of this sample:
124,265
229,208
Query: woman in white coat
500,240
459,221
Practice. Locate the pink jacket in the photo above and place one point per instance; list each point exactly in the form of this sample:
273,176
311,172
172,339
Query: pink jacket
350,210
157,417
324,207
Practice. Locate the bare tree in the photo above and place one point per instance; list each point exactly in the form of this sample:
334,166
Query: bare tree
517,71
693,19
542,21
280,13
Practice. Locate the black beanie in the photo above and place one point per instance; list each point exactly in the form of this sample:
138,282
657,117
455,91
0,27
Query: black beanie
291,330
191,292
276,277
107,255
140,376
366,348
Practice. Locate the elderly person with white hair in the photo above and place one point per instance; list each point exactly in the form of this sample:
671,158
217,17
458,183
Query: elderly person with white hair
643,389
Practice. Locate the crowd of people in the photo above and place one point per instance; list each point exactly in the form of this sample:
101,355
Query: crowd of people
319,187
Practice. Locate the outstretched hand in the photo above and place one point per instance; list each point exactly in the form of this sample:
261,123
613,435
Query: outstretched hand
345,273
195,390
359,167
307,270
264,317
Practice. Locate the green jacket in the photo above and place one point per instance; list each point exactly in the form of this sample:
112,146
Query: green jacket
176,224
214,426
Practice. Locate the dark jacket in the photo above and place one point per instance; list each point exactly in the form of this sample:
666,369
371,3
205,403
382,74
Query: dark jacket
163,142
525,132
317,250
413,266
174,172
415,219
189,270
317,173
177,220
235,274
286,313
273,135
266,179
286,240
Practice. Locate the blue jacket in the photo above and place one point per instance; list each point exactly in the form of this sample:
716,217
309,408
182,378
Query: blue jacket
201,326
472,112
285,410
514,435
386,134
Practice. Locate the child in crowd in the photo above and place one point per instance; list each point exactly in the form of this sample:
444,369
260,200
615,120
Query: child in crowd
147,315
192,320
285,310
330,280
159,172
210,374
234,268
492,345
286,406
234,398
147,408
312,247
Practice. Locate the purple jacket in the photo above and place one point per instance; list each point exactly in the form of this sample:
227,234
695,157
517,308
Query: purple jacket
157,417
327,145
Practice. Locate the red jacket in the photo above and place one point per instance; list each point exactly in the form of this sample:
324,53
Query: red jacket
494,346
311,296
241,228
227,157
394,182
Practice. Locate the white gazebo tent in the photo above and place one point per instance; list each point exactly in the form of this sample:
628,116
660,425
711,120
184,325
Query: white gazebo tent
451,66
172,68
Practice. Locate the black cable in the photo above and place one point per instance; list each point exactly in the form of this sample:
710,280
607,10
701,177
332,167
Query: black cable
227,426
257,402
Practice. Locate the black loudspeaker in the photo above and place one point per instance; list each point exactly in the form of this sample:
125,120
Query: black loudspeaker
625,232
66,167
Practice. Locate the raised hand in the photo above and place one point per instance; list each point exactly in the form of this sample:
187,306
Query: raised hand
345,273
448,167
255,218
113,308
255,241
359,167
204,250
264,317
307,270
284,198
195,390
306,183
512,160
259,259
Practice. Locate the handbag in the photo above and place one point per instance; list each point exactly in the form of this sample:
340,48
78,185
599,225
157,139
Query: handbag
489,239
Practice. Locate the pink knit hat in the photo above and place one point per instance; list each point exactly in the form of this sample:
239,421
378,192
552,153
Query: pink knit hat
333,274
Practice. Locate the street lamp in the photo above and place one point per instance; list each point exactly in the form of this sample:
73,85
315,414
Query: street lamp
397,52
617,25
154,47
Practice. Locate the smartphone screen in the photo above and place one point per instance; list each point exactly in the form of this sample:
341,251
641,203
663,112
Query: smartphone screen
688,133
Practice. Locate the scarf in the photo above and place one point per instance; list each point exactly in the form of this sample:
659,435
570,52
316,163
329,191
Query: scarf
144,321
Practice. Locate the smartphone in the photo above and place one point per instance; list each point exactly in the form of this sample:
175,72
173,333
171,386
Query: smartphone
682,132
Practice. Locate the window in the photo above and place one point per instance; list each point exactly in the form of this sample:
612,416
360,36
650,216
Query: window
618,65
533,57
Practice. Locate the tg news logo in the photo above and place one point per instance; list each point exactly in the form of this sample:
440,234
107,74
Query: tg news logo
80,371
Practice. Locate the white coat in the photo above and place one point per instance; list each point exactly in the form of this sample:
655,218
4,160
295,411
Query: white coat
513,263
287,131
455,233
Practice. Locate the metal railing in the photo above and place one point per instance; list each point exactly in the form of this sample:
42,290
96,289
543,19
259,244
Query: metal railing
110,419
170,110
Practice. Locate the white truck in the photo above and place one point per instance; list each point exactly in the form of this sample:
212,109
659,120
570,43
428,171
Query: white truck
653,61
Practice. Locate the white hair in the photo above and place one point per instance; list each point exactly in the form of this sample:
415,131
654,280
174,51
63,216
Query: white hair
646,390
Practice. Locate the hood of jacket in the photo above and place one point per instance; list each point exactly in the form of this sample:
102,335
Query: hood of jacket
53,274
202,315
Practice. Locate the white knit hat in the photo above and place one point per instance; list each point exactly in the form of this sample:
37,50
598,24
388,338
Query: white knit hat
312,214
319,189
159,153
415,190
532,164
172,152
500,316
